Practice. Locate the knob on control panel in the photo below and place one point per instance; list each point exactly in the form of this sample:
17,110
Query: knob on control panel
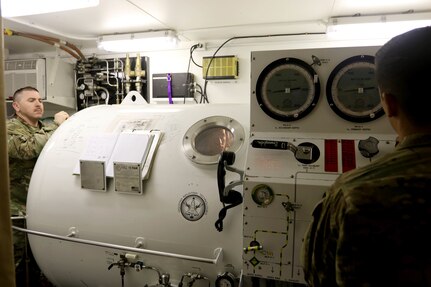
368,147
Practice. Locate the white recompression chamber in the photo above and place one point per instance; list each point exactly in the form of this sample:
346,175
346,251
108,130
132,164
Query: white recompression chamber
96,222
93,228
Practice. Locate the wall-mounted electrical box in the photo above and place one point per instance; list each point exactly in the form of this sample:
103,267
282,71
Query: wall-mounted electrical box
180,84
220,67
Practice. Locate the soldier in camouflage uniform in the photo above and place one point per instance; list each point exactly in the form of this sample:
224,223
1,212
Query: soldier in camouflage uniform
27,136
372,227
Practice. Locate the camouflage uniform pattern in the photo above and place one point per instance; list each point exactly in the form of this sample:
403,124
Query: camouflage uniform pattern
25,143
24,146
372,226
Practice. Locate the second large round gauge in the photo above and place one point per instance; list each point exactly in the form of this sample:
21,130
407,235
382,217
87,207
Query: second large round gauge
352,90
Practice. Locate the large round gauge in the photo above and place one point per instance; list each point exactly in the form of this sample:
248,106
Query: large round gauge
288,89
352,90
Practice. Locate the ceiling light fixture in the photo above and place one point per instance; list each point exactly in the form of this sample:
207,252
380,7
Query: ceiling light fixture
15,8
137,42
375,26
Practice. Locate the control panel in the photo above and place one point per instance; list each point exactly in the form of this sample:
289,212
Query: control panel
315,114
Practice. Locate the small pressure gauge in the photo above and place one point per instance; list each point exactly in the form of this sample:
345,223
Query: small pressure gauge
352,90
225,280
287,89
262,195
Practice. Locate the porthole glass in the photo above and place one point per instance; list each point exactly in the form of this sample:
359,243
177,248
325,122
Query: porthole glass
205,140
213,140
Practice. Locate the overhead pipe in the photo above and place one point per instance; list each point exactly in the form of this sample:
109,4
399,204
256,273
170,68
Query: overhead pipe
61,42
64,45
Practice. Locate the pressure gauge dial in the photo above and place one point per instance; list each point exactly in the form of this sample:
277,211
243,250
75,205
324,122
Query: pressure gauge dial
352,90
262,195
287,89
225,280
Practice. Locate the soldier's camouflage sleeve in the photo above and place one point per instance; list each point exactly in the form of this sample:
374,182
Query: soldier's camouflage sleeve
26,142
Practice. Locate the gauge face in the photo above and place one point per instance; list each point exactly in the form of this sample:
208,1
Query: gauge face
352,90
225,280
224,283
287,89
262,195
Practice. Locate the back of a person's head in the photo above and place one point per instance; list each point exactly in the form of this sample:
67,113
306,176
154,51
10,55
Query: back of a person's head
403,69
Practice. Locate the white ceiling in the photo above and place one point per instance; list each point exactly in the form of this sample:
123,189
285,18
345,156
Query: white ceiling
194,20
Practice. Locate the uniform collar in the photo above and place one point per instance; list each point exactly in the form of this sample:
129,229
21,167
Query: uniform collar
415,140
39,123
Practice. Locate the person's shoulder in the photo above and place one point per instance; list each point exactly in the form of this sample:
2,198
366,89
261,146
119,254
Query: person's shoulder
12,121
380,167
352,181
15,125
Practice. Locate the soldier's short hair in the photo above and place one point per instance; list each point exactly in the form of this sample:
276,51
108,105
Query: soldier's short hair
403,69
20,90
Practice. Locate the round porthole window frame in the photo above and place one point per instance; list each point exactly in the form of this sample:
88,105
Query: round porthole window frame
228,123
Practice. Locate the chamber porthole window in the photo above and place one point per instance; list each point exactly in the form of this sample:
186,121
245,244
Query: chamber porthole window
213,140
206,139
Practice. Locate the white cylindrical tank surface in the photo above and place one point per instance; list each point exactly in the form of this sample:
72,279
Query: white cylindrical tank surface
127,195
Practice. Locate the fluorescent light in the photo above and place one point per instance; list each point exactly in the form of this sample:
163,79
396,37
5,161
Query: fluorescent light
369,27
136,42
15,8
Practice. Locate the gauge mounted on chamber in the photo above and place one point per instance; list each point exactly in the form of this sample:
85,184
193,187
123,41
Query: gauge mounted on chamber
352,90
287,89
